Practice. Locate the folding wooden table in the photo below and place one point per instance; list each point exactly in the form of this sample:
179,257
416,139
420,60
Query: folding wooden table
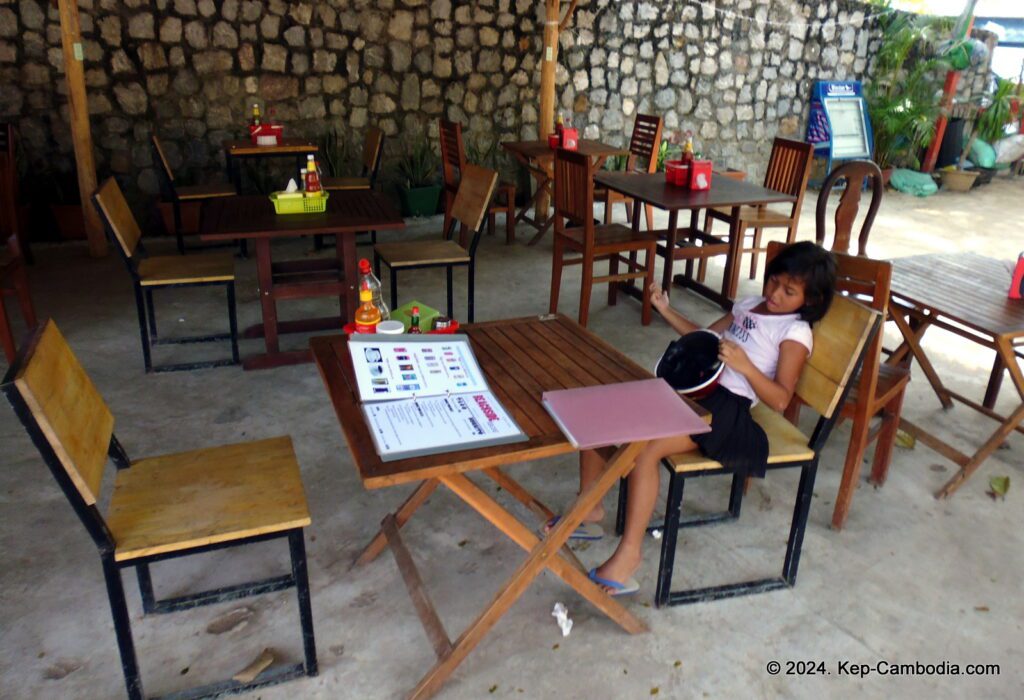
965,294
536,157
252,217
725,191
235,151
521,358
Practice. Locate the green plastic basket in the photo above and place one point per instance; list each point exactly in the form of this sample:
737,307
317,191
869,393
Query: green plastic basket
299,205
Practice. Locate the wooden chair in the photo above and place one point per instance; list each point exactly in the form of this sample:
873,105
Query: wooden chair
373,148
161,507
644,145
163,272
854,173
188,193
14,282
468,211
574,201
789,166
453,161
10,197
840,342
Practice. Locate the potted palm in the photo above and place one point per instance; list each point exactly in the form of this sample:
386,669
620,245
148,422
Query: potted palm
419,189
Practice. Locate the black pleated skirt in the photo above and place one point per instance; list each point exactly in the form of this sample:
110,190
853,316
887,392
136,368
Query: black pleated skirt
735,440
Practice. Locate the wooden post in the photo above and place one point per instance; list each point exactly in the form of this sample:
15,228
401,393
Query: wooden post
78,109
548,63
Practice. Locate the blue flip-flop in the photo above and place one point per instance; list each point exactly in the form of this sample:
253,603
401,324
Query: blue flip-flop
584,531
630,587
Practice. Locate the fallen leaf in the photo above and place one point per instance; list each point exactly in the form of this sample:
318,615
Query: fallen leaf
654,690
981,608
231,620
255,668
183,671
463,543
938,468
678,664
905,440
998,486
555,646
493,688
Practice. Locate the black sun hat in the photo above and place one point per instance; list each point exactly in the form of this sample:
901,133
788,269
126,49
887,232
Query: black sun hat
690,364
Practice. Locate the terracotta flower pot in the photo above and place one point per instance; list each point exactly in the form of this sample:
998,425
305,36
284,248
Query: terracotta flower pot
886,174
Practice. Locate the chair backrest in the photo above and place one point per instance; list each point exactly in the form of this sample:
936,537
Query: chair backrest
453,154
162,157
574,191
373,149
120,221
471,203
644,143
65,406
789,166
854,172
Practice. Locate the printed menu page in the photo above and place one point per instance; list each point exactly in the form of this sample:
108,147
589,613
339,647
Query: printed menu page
402,367
416,427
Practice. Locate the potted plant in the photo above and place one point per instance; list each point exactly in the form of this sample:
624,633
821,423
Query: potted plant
419,189
335,152
902,97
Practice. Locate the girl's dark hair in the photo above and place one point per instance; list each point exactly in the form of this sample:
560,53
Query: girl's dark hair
816,268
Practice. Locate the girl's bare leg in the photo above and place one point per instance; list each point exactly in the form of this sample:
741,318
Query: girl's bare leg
643,492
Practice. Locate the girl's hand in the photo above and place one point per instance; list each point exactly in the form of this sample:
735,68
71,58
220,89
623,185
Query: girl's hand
732,355
659,297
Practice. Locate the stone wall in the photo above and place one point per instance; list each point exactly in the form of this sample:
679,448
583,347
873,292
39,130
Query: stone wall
736,72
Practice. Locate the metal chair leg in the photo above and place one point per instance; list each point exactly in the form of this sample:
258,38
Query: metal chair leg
122,628
178,235
150,315
146,588
143,329
800,512
298,553
233,321
470,283
393,275
620,511
668,539
450,292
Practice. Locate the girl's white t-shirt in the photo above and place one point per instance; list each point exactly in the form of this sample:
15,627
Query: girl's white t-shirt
760,336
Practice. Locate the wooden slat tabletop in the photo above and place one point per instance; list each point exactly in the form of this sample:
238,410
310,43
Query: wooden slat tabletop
965,287
541,149
521,358
252,216
286,146
724,191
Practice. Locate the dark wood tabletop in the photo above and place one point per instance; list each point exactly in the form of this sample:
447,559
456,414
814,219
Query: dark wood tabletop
521,358
540,149
965,287
286,146
724,191
253,216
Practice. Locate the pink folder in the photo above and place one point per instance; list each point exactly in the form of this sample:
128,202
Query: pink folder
615,414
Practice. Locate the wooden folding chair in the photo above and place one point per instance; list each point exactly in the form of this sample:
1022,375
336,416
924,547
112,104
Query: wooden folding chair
163,272
789,166
162,507
188,193
14,282
468,211
840,343
574,201
644,145
453,160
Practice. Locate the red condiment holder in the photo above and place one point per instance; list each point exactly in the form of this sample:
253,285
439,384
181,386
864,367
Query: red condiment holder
677,173
350,329
266,134
700,175
570,139
553,141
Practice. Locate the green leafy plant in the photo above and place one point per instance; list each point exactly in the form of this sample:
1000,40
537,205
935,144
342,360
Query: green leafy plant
991,123
419,167
904,96
482,151
335,152
615,163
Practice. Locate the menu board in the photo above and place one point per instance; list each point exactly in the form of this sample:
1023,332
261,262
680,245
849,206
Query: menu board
849,128
425,394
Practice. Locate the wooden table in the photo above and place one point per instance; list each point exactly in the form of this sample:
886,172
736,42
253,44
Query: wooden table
234,151
537,156
253,217
963,293
521,358
725,191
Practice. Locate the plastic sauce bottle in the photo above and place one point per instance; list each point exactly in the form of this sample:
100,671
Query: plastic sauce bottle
367,315
255,121
313,188
414,320
368,280
687,157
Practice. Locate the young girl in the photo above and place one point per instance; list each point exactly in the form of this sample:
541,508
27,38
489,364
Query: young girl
765,342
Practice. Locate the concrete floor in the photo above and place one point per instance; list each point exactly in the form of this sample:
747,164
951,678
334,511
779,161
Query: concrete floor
909,579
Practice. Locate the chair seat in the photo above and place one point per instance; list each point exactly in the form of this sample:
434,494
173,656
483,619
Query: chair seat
613,236
191,269
345,183
752,217
785,443
413,253
212,191
220,494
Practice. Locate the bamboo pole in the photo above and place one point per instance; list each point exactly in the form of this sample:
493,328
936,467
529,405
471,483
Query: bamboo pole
549,60
78,109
